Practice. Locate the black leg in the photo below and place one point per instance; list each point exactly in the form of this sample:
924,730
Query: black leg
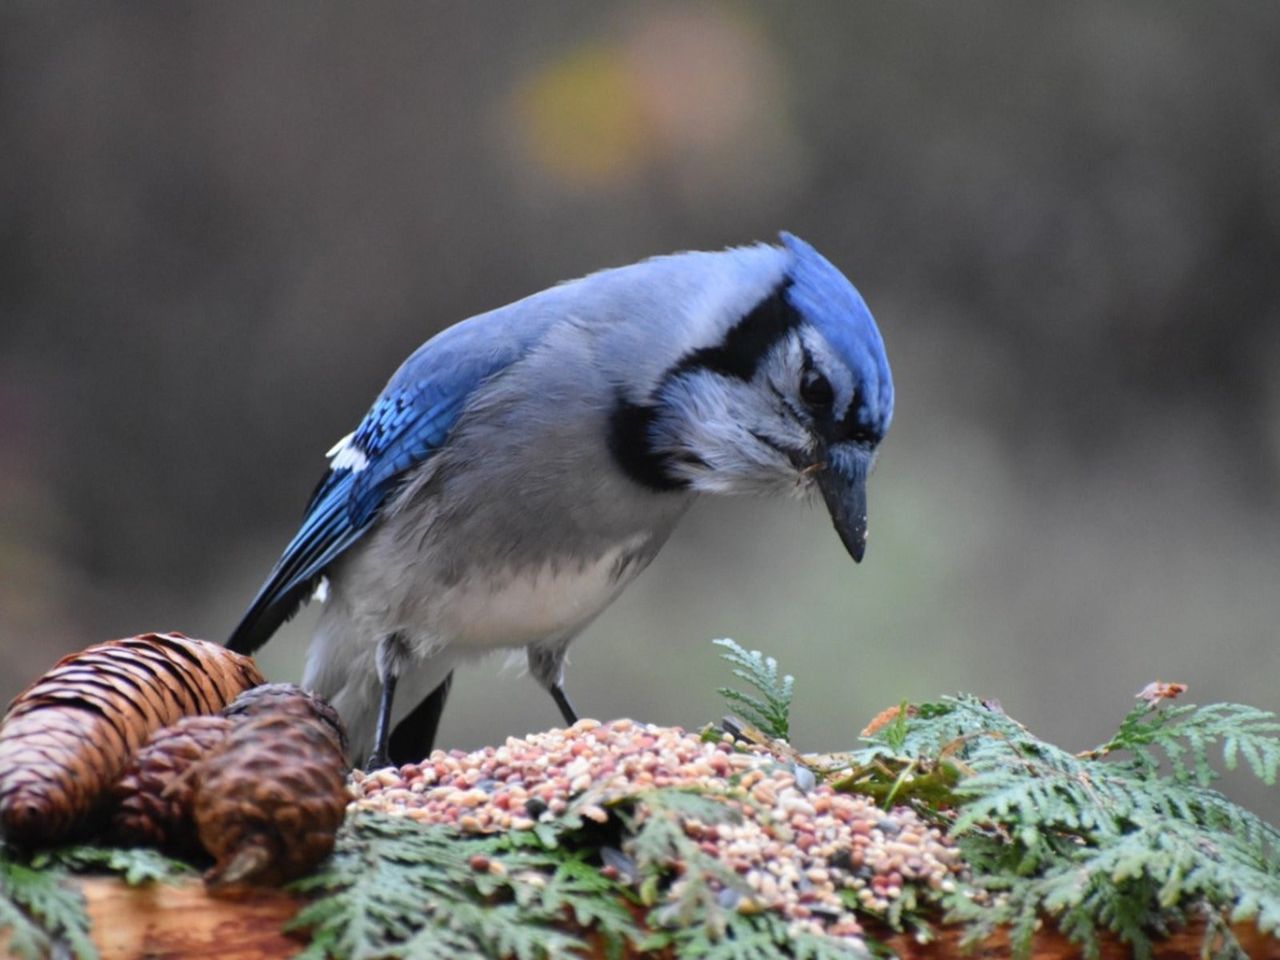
562,701
378,758
415,735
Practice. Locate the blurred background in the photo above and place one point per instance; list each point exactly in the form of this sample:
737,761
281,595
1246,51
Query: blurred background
222,226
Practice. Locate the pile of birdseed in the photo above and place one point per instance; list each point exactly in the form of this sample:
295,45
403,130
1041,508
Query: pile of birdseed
797,846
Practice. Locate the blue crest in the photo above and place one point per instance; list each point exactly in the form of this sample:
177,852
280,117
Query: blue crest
833,305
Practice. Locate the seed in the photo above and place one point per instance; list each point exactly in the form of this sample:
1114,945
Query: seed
596,813
796,842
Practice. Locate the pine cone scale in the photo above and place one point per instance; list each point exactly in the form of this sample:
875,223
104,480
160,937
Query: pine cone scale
228,676
191,696
101,674
292,700
153,795
71,713
49,734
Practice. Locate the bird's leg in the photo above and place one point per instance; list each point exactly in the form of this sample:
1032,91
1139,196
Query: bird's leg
391,652
415,735
547,666
378,758
562,701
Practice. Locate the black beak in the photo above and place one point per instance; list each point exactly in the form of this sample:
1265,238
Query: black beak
843,482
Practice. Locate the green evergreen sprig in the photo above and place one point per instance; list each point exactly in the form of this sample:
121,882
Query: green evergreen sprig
1184,736
43,915
38,910
1128,837
397,888
137,866
771,711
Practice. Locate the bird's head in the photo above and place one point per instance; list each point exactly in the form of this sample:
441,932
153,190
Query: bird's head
795,395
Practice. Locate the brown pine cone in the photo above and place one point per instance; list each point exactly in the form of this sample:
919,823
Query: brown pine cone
270,800
290,699
67,737
153,796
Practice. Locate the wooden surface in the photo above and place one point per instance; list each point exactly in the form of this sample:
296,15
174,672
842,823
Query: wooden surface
171,921
168,922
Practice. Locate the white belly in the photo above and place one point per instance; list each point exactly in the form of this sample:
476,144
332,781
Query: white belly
444,624
518,608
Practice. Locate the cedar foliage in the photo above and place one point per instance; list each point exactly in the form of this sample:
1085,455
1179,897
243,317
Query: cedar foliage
770,707
1129,837
397,888
43,915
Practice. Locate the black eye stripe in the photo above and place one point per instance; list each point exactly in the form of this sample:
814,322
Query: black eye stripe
748,341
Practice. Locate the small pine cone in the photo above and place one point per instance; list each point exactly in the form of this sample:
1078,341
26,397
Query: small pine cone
290,699
153,796
270,800
66,738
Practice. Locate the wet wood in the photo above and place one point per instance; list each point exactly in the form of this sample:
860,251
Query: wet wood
169,922
182,922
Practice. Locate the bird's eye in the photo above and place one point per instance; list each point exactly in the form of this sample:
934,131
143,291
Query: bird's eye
815,390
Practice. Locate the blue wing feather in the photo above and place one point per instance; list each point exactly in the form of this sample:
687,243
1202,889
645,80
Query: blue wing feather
400,431
408,422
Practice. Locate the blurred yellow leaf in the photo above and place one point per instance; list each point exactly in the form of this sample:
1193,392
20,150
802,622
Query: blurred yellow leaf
582,118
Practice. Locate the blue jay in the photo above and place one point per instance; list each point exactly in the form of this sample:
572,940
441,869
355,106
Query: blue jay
523,466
